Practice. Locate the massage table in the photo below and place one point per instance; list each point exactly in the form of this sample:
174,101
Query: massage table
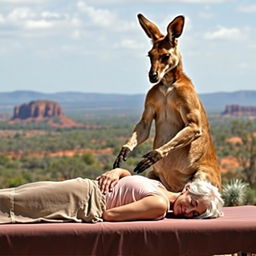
234,232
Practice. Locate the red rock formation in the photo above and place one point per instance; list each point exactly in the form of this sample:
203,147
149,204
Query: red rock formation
237,110
42,110
38,110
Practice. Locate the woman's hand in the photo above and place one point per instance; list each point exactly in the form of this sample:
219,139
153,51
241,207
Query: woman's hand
110,178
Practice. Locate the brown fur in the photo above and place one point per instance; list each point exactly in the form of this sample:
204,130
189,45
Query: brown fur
183,148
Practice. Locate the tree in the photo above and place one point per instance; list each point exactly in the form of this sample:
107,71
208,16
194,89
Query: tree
88,158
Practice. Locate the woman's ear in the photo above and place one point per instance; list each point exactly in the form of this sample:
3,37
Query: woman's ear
186,188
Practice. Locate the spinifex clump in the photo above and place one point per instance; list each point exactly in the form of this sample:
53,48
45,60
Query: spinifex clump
234,193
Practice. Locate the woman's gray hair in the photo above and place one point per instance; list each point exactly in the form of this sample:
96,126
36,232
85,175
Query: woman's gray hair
210,194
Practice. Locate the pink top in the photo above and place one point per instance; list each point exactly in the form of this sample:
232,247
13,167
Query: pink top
133,188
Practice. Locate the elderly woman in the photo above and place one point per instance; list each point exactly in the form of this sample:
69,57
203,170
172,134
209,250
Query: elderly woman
114,196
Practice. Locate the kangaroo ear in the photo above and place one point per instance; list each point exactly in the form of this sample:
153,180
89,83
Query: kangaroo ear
175,28
150,28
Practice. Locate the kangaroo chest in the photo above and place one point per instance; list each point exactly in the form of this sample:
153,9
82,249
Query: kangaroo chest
167,111
168,121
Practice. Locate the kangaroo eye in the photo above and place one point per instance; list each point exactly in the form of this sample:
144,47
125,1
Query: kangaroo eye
165,57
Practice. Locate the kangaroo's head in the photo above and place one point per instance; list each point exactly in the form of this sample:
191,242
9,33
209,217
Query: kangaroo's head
164,55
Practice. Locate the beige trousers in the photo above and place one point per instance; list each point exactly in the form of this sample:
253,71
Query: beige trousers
62,201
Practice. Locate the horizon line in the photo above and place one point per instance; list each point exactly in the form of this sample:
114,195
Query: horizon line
117,93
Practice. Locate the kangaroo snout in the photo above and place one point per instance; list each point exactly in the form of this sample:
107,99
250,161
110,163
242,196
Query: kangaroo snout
153,76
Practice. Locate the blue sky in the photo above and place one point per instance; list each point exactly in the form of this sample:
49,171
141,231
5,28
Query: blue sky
98,45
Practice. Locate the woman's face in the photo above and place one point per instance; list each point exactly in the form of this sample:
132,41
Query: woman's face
189,206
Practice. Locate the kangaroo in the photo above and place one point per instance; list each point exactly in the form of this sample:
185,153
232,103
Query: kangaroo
183,149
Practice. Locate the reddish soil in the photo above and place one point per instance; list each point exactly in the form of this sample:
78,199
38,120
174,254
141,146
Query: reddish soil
229,164
105,151
234,140
63,122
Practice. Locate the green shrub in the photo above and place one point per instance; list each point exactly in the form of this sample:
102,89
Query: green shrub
234,193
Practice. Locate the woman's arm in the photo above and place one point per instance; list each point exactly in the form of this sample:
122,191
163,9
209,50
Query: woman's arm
150,207
109,179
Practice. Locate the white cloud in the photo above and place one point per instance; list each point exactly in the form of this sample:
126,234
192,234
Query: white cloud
226,34
21,19
20,14
38,24
248,8
49,15
101,17
104,17
76,22
129,44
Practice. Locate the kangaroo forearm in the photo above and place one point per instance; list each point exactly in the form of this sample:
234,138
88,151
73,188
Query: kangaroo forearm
139,135
182,139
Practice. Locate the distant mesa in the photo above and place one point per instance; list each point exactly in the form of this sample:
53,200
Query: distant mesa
38,110
42,111
237,110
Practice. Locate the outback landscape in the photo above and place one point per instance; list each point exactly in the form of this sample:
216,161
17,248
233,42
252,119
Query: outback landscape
61,136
